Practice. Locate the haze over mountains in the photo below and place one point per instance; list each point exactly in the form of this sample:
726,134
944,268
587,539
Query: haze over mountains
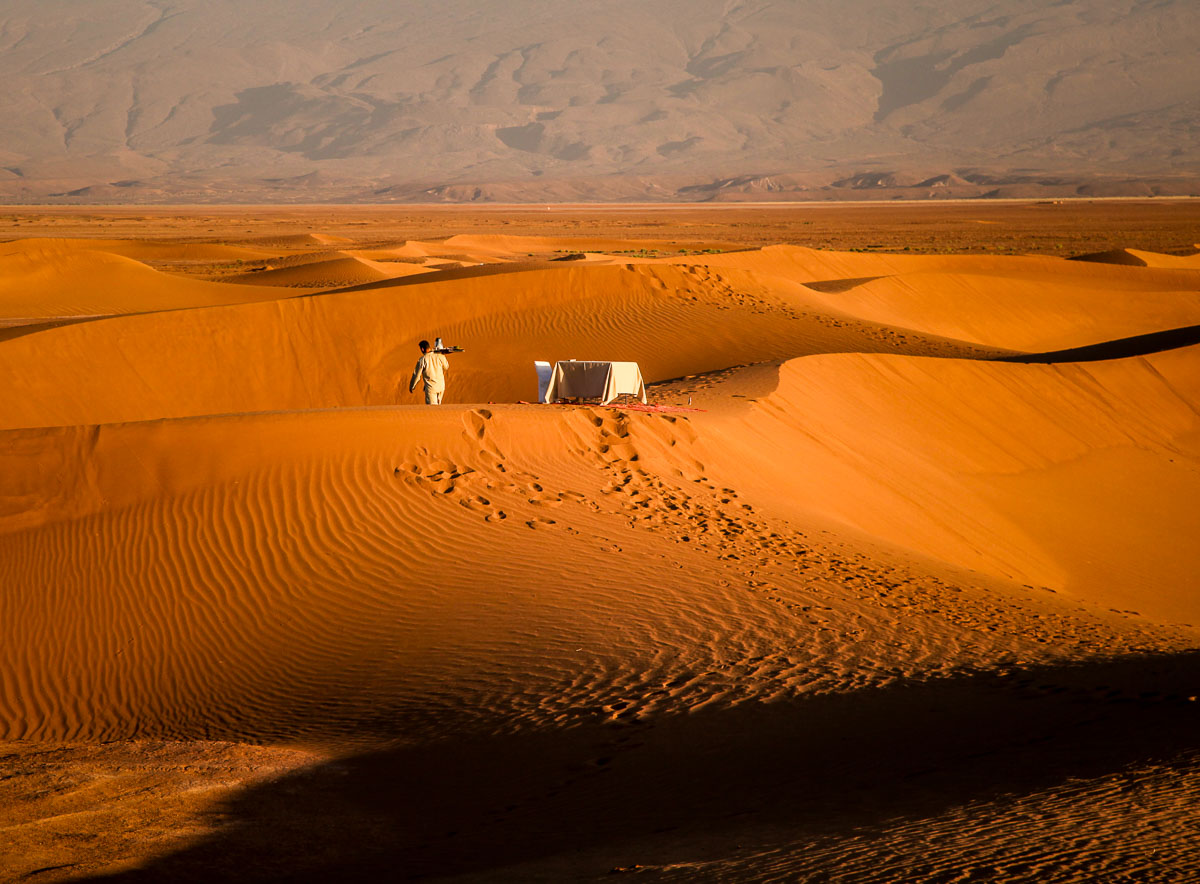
163,100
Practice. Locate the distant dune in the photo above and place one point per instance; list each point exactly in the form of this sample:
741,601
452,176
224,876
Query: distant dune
704,100
42,281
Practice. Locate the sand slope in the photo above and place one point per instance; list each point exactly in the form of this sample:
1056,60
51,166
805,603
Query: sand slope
1069,476
330,272
874,595
52,281
359,347
356,347
1014,310
325,552
821,265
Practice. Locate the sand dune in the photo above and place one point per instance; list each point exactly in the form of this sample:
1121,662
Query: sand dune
502,245
1013,311
1142,258
53,281
1052,475
418,249
298,240
332,272
992,301
362,606
736,308
1180,262
312,536
815,265
889,572
358,347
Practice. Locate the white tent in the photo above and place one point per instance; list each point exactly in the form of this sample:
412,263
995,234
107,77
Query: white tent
605,381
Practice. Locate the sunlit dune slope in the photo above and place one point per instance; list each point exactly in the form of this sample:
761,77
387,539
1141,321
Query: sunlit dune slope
417,249
45,282
1081,477
1023,303
1171,262
318,557
1025,312
356,346
404,574
359,347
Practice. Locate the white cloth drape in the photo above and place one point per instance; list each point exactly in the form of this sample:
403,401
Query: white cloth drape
595,380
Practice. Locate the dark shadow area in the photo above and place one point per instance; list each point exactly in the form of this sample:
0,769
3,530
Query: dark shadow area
1122,348
837,286
20,328
1112,256
711,779
449,273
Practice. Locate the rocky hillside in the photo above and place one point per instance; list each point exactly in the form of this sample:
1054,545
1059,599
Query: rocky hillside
154,100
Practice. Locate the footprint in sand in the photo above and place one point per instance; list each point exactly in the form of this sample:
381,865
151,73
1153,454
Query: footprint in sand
476,422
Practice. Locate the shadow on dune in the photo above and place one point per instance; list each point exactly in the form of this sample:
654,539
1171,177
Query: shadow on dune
1112,256
700,785
16,328
449,274
1122,348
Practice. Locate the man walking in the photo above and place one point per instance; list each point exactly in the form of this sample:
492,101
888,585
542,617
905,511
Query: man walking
431,367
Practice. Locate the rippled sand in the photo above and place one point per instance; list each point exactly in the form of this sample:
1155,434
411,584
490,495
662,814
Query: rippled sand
899,586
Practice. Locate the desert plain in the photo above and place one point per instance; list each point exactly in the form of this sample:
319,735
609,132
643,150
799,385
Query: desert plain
895,580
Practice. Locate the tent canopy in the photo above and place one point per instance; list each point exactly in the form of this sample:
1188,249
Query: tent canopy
595,380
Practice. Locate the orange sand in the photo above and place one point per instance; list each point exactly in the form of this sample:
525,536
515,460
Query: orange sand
43,280
907,577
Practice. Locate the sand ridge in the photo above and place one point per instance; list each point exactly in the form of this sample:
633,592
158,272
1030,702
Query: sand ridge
48,281
364,342
512,311
878,542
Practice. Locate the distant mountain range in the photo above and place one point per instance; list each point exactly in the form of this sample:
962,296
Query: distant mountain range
540,100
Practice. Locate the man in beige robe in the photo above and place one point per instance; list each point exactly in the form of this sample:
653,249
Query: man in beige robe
431,367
